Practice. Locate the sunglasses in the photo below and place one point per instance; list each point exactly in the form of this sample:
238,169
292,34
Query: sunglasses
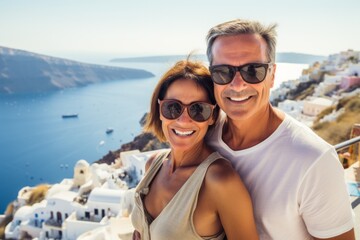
252,73
198,111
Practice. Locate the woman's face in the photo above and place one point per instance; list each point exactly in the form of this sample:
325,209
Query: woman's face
184,133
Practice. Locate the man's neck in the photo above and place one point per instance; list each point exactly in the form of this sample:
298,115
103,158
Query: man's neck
242,134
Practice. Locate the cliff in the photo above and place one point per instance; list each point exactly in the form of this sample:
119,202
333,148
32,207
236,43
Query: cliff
26,72
143,142
339,129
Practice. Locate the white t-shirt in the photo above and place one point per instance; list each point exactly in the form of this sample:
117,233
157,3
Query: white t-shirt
295,180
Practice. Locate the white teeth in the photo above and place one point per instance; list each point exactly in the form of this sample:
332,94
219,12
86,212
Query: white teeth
186,133
239,99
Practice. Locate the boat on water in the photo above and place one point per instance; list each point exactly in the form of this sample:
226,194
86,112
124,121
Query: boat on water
109,130
74,115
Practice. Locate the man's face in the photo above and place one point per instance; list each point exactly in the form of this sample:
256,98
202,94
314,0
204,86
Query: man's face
239,99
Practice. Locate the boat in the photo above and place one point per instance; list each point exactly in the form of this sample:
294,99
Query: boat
109,130
74,115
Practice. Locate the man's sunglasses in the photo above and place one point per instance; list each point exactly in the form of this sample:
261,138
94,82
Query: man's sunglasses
251,72
198,111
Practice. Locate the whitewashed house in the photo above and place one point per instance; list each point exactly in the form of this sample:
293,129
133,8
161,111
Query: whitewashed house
329,67
324,88
74,227
94,198
102,203
58,208
354,69
291,84
81,173
304,78
330,83
313,106
33,226
99,174
291,107
13,229
346,55
118,228
279,93
135,161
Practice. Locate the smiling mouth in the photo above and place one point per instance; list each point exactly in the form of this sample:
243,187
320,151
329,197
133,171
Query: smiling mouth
183,133
237,99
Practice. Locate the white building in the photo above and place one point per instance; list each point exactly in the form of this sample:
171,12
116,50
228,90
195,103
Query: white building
118,228
81,173
304,78
96,197
279,93
14,229
136,162
330,83
291,84
291,107
313,106
354,69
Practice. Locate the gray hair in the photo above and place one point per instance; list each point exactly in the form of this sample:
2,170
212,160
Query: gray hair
241,26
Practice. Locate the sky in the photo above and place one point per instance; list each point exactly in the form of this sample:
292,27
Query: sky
122,28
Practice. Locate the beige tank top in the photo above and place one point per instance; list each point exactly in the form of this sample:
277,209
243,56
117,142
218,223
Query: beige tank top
176,220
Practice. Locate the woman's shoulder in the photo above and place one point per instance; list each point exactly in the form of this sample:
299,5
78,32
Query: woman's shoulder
222,182
221,173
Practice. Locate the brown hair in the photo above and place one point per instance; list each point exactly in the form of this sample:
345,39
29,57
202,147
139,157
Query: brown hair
241,26
184,69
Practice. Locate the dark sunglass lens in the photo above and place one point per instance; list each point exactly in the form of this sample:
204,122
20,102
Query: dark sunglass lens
171,109
253,73
222,74
200,112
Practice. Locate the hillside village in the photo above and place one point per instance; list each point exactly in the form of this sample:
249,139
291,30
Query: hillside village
83,207
319,87
97,201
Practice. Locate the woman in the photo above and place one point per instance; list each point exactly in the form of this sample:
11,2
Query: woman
189,191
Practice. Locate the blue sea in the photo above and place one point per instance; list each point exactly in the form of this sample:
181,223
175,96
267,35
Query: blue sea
38,146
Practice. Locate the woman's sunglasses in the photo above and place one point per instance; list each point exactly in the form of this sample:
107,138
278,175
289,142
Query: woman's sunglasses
198,111
251,72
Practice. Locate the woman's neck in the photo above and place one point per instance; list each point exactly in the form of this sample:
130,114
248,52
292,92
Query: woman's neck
180,159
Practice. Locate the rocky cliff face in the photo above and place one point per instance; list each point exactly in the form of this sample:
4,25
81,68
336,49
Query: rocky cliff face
143,142
26,72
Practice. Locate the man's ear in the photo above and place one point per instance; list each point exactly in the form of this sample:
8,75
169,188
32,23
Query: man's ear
273,70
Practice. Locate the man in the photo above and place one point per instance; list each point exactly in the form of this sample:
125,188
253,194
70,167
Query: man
294,178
